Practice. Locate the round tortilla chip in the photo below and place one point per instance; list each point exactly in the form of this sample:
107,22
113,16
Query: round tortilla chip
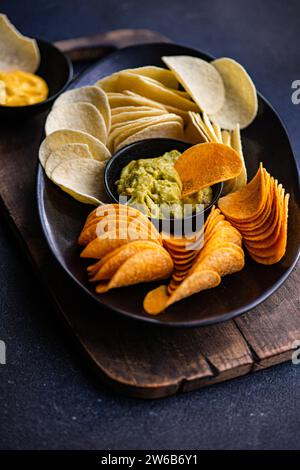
82,178
66,136
200,79
164,76
166,130
206,164
130,99
148,88
124,130
123,117
17,52
66,152
88,94
77,116
240,105
193,133
133,109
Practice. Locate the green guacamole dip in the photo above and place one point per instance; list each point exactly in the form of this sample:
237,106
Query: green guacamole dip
154,184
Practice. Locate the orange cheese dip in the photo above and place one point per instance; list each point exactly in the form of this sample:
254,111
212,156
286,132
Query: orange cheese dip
20,88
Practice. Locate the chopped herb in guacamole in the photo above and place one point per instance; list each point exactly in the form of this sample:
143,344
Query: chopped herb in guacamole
155,184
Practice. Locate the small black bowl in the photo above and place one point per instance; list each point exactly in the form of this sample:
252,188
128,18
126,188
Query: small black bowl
56,69
151,148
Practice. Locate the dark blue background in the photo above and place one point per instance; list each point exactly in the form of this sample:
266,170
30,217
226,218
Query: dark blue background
48,400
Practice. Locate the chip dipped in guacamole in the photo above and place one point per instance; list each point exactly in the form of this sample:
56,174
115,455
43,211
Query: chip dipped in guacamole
155,184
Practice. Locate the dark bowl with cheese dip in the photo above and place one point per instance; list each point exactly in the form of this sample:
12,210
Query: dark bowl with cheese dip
133,158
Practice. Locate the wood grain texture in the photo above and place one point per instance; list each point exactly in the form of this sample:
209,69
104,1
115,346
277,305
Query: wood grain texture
132,358
95,47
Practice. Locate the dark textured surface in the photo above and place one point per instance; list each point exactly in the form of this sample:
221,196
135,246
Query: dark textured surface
48,398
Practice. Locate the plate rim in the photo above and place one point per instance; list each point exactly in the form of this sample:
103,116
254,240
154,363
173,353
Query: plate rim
154,320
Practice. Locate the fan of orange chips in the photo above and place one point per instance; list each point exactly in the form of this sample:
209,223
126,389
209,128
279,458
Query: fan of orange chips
260,212
127,246
221,255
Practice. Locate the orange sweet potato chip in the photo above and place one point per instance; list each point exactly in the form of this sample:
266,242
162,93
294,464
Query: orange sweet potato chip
156,300
206,164
247,203
195,282
146,266
112,222
107,267
272,224
272,253
227,258
100,246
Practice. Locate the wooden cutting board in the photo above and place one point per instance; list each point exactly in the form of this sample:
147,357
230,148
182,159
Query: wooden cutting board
136,359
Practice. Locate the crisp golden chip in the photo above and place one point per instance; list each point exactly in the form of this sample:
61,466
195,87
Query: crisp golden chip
124,130
109,267
82,178
194,283
236,143
159,74
240,105
276,251
248,202
88,94
17,52
264,230
226,258
113,222
133,115
79,117
167,130
130,99
148,88
66,152
156,300
66,136
111,240
146,266
206,164
200,79
193,133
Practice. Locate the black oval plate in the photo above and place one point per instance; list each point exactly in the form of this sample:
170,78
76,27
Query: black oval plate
265,140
